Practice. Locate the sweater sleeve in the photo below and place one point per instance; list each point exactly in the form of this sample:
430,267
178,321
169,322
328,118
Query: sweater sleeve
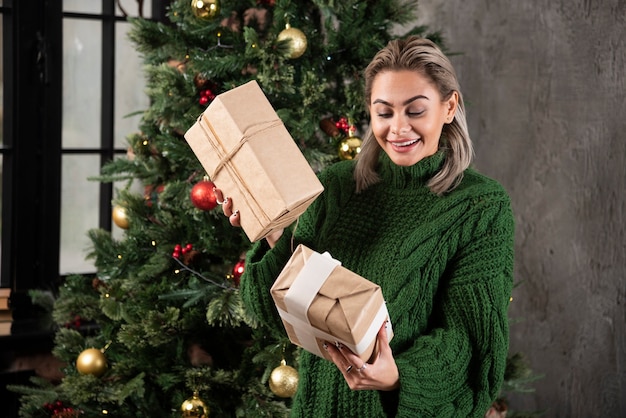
457,368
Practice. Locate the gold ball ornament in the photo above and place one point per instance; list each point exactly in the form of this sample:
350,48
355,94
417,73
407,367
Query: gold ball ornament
194,407
206,9
120,217
92,361
284,380
349,148
297,40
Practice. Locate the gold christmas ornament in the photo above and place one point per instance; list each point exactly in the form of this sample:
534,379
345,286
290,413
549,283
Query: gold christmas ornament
297,40
92,361
350,147
194,407
120,217
206,9
284,380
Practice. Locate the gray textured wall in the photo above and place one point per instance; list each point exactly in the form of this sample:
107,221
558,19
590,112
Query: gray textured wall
545,82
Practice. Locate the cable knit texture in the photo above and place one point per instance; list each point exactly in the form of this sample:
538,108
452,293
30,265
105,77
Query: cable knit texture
445,266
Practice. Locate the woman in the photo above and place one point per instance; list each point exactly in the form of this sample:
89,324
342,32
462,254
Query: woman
411,216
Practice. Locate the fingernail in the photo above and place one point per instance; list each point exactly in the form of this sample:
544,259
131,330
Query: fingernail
236,213
225,201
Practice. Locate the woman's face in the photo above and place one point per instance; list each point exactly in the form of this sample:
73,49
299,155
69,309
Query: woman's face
408,114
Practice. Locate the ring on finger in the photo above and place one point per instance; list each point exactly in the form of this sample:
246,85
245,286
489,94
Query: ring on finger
363,367
349,369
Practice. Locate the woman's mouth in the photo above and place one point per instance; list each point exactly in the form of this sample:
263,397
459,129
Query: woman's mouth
404,143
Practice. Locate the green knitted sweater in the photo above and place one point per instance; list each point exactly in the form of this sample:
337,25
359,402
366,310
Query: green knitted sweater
445,266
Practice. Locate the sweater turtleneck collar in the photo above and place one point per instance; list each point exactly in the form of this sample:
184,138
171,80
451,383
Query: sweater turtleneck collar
416,175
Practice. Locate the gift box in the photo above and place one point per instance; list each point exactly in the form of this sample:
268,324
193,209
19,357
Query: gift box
249,154
321,301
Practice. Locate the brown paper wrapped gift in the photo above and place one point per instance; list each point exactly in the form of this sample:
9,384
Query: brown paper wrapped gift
319,300
249,154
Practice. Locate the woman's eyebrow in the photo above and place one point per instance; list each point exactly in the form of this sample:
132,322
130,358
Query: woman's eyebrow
406,102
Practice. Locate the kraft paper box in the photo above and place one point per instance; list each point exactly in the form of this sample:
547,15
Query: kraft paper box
249,154
319,300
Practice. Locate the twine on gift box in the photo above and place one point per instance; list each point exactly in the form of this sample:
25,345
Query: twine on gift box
249,132
225,157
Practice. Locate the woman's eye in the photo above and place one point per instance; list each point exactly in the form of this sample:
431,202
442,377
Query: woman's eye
384,115
415,113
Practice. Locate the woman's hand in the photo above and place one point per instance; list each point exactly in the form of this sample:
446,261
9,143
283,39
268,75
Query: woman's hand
382,374
227,207
235,220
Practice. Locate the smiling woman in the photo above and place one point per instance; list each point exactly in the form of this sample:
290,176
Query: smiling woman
434,234
408,115
424,85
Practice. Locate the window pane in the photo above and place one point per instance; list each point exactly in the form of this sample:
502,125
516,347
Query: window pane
131,8
130,95
79,211
82,72
82,6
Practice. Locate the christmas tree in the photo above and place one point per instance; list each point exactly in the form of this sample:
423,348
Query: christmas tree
160,330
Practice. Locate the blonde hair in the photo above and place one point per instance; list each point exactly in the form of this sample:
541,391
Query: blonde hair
423,56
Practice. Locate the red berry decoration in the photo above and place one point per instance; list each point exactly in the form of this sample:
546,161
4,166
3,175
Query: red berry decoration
344,125
177,251
202,195
58,409
206,96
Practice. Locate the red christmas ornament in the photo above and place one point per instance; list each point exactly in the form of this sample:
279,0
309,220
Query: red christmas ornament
238,271
202,195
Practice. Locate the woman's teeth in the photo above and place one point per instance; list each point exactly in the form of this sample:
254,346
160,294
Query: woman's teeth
406,143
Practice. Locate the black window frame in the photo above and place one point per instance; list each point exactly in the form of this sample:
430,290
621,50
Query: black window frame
32,138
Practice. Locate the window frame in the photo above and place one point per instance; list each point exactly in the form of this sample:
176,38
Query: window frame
32,149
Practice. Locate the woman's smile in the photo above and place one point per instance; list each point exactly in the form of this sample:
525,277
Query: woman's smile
408,115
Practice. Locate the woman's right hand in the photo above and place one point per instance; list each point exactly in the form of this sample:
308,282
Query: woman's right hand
227,207
234,217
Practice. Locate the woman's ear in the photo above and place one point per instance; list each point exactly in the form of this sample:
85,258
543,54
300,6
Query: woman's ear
451,105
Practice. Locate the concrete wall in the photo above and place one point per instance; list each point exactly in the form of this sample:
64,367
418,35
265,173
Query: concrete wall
545,83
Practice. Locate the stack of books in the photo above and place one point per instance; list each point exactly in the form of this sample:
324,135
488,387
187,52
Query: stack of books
6,316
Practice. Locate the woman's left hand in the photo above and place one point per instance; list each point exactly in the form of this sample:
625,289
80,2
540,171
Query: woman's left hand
381,374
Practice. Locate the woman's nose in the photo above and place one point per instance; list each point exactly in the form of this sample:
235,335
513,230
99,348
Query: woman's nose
400,126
